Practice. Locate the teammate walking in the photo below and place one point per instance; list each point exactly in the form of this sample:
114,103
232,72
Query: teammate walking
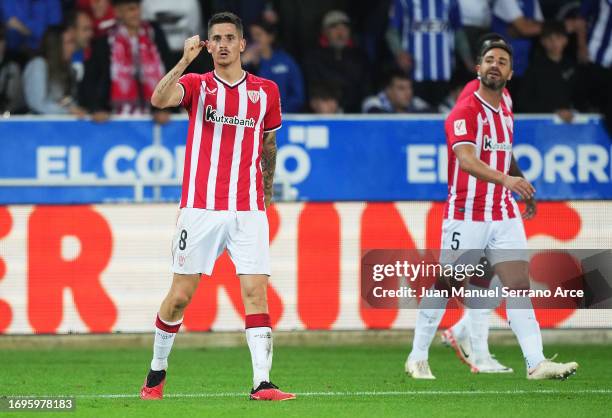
227,186
481,213
469,336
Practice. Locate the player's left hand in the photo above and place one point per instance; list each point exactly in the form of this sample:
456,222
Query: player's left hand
530,208
267,200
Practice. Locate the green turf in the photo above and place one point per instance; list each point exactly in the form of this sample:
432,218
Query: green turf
325,369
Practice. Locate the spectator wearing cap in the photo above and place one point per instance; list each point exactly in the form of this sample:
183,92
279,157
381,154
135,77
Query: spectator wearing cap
26,22
265,60
548,84
11,93
325,99
397,96
518,21
339,62
299,22
421,37
126,65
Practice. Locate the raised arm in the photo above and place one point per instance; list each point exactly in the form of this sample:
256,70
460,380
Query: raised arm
168,93
470,163
268,164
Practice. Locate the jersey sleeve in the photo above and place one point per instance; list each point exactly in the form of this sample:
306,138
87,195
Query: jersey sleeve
273,119
189,83
507,10
461,127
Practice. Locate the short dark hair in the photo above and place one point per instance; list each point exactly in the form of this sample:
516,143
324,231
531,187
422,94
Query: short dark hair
491,36
269,28
226,17
493,44
553,27
395,74
325,90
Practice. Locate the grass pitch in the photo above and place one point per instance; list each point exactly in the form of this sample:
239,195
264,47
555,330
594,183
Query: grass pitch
330,382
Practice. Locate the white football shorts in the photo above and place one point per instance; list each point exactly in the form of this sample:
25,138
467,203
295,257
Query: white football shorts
499,241
202,235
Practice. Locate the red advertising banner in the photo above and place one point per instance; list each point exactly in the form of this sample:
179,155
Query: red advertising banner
106,268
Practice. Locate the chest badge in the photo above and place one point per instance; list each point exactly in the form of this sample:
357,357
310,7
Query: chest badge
253,95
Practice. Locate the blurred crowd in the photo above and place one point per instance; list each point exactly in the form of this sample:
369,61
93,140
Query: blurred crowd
102,57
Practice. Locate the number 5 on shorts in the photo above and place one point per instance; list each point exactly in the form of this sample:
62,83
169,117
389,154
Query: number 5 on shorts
455,240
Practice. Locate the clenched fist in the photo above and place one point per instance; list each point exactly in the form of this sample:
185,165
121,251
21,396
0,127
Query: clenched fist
193,46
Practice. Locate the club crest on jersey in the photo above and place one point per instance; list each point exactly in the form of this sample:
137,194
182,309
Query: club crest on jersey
489,145
253,95
211,116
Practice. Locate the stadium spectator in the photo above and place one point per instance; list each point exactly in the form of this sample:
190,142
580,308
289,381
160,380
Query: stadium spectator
518,21
325,99
396,97
265,60
49,84
595,55
82,25
179,19
126,65
548,84
11,93
299,23
338,61
26,22
101,12
475,23
420,35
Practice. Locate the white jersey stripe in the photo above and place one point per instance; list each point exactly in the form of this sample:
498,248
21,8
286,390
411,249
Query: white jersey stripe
599,28
263,103
418,44
493,164
216,148
236,156
507,160
453,193
195,146
433,48
471,188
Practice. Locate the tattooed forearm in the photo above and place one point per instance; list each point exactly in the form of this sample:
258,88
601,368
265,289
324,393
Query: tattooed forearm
165,91
268,164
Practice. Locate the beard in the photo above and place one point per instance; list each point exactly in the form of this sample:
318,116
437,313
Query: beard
496,85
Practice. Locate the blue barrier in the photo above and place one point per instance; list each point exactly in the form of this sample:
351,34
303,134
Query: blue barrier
319,159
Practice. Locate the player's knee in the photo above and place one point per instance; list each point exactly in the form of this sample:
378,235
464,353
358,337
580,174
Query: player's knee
179,299
255,295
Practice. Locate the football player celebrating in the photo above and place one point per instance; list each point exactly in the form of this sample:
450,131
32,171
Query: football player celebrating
227,185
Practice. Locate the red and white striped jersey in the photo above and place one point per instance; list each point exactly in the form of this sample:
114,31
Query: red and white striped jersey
472,87
473,121
226,126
